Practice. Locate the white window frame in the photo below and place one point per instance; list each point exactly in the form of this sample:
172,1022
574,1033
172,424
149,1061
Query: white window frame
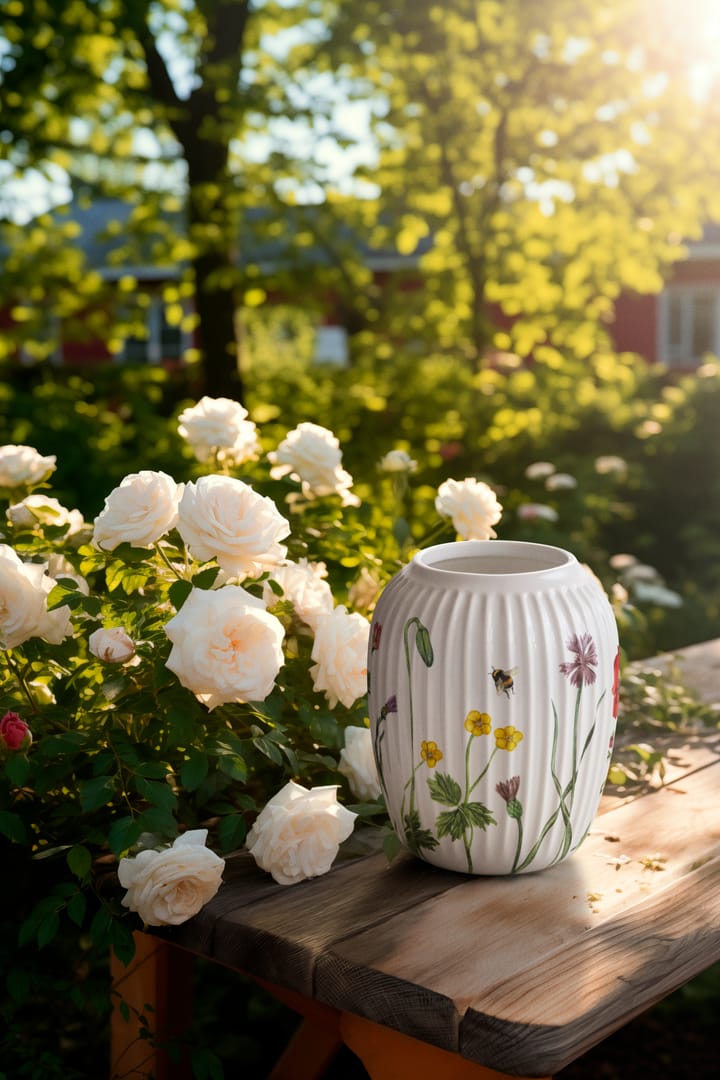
153,342
680,354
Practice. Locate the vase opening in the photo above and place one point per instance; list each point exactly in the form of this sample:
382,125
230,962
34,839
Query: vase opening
494,557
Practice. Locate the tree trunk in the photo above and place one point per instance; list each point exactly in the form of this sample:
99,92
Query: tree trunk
217,337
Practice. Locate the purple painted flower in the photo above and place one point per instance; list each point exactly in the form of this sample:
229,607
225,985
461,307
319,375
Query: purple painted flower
581,670
508,789
390,705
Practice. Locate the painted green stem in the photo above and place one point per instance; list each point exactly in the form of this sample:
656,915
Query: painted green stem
411,622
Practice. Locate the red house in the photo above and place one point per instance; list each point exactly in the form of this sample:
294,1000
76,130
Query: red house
676,327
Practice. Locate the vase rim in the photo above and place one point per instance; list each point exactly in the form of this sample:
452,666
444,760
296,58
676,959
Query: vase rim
486,561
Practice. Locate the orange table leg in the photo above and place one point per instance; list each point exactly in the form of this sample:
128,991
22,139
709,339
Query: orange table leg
389,1055
156,985
315,1043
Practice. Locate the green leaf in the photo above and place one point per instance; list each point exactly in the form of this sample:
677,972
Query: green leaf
122,834
96,792
122,941
424,646
205,1064
17,768
11,826
392,845
101,928
194,770
17,982
156,792
79,860
77,906
47,929
179,592
401,531
444,789
232,831
234,766
205,579
157,820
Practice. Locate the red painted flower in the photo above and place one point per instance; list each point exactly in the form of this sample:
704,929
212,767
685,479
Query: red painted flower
376,632
581,670
616,685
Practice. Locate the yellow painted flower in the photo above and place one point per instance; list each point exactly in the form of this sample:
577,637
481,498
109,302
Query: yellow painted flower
430,753
478,723
507,738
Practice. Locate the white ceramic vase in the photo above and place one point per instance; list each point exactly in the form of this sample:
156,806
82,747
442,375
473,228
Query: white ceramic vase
493,677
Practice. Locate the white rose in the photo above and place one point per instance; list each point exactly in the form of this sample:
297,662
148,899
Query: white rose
340,655
23,466
138,512
112,645
226,646
218,426
610,463
58,566
357,763
168,887
560,481
22,598
539,470
312,454
536,512
397,461
364,590
471,505
224,518
44,510
298,833
302,583
24,588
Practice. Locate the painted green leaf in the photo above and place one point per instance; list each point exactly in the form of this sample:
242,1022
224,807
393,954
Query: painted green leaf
479,815
451,823
444,789
424,647
416,837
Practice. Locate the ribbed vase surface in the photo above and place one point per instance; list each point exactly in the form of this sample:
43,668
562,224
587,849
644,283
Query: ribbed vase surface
493,678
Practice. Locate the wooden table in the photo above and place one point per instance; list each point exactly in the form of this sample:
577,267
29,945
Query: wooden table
427,973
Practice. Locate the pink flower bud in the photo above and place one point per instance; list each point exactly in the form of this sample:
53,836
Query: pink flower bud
14,732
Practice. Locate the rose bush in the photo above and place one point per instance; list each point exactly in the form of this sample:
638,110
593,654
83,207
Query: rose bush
194,663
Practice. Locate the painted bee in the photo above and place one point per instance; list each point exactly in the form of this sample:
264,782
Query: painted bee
504,681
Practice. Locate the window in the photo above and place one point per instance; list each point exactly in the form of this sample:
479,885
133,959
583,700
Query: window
689,324
164,341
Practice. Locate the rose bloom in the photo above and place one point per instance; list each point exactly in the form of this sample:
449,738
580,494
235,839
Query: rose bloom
560,481
14,732
168,887
364,590
23,466
471,505
138,512
538,470
536,511
340,655
610,463
224,518
226,646
312,454
24,588
112,645
357,763
298,833
302,583
218,426
397,461
44,510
